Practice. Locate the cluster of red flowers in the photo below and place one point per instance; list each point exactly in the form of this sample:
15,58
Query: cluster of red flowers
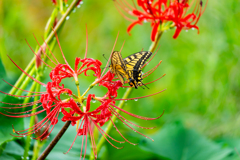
73,108
177,13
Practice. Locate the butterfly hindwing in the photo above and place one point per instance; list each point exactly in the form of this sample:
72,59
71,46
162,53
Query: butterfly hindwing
136,60
135,63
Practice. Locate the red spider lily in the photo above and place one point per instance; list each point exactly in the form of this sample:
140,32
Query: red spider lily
52,103
50,100
175,13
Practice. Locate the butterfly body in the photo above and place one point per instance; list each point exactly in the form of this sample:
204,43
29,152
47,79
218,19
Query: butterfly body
129,67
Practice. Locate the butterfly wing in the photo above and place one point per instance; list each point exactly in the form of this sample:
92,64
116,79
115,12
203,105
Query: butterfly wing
134,64
118,66
136,60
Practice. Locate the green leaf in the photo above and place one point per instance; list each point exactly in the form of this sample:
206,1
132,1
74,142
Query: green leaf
18,150
176,142
13,150
6,156
234,144
7,122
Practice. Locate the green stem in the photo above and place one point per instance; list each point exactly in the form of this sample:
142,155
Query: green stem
121,104
28,140
155,43
49,38
37,147
62,20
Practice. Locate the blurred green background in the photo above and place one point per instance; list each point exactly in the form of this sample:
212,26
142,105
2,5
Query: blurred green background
201,103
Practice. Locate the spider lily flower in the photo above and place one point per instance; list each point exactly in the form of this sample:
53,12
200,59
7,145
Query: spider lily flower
74,108
50,100
163,14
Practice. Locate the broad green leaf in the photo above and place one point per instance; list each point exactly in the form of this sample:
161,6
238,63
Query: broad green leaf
14,148
234,144
179,143
6,156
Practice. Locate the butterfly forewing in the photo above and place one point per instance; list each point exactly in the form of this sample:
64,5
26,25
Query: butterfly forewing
118,66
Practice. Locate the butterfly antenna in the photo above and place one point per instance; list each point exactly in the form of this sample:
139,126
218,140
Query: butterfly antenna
145,85
104,57
142,87
106,60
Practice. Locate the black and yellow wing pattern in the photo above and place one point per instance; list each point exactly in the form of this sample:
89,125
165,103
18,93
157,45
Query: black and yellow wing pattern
129,67
134,64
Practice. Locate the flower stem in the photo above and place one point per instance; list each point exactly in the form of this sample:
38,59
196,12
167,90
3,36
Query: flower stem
54,141
154,44
37,146
121,104
88,89
35,86
49,38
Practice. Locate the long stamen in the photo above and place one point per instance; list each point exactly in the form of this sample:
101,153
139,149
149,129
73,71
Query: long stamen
39,57
121,133
139,97
20,96
134,115
152,70
61,49
131,127
24,111
20,88
22,104
108,140
146,83
101,130
129,121
74,139
27,73
50,50
93,141
44,51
